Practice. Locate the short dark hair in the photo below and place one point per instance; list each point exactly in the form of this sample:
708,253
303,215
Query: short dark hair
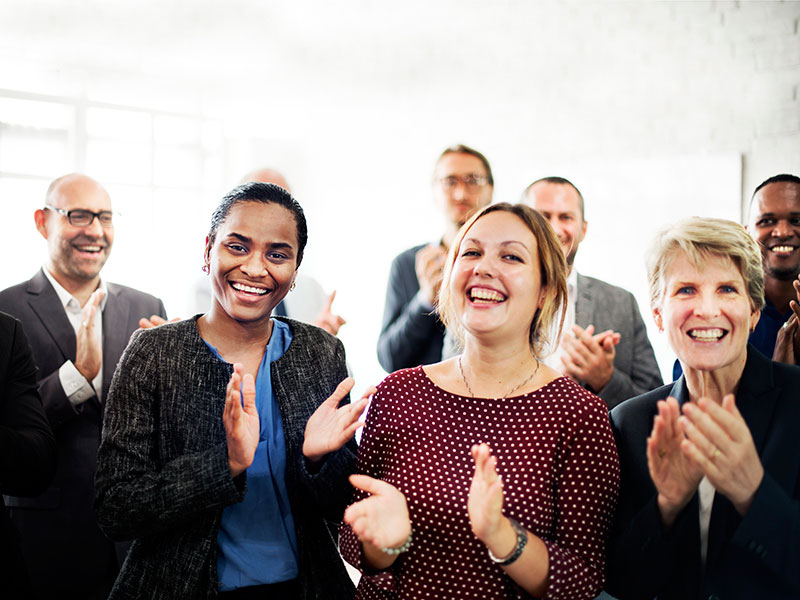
462,149
782,178
559,181
266,193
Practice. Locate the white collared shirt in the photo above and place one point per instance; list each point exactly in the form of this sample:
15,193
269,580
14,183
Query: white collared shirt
75,385
554,359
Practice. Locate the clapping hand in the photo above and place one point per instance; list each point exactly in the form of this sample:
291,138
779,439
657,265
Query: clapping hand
589,357
242,424
331,426
674,475
155,321
88,353
382,518
718,442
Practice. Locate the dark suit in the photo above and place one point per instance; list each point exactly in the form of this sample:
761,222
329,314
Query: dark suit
64,548
27,446
610,307
755,556
411,333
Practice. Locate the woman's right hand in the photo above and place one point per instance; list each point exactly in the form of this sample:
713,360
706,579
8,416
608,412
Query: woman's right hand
676,478
381,520
242,424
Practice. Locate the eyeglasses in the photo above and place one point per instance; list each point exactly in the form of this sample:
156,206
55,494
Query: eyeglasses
83,218
472,181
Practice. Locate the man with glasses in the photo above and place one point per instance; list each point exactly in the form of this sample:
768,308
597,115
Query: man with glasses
411,334
78,325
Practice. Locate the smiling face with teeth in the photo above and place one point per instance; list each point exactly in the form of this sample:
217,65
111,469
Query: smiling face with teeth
707,313
76,254
253,261
495,281
775,225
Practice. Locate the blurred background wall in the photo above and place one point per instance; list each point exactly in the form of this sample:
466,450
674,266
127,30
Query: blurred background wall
655,110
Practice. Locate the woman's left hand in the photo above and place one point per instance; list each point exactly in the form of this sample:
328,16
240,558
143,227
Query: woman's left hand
719,442
330,427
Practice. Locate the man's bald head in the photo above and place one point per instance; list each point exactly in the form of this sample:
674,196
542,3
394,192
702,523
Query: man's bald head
266,175
77,253
75,186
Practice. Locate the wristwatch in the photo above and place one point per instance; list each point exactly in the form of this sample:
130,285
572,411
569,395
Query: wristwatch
522,540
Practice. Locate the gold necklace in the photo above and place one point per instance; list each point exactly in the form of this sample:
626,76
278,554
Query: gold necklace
511,391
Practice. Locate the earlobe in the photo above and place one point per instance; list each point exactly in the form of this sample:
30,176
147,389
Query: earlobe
41,222
658,320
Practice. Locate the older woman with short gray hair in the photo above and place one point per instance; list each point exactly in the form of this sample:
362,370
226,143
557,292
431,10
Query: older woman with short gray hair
710,465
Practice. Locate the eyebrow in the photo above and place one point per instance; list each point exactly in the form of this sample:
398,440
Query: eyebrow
244,238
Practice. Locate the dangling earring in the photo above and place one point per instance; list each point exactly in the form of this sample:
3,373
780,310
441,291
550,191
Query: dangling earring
291,288
206,268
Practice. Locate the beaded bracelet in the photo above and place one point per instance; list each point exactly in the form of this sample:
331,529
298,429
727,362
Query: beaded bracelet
522,540
400,549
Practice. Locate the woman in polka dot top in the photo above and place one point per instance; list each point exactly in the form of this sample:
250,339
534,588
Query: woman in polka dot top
487,475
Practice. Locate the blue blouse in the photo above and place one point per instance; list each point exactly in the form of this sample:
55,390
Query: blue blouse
256,538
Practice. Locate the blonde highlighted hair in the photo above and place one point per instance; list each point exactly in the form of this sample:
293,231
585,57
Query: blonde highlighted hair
549,319
697,239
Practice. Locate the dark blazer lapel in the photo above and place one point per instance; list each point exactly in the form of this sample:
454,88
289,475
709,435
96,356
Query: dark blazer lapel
584,307
115,332
45,303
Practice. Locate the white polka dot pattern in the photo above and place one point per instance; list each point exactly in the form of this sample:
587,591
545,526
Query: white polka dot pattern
560,469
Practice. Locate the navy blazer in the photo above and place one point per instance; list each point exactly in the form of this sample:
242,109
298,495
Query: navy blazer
63,547
755,556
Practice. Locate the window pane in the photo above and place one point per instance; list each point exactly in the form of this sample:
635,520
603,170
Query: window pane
119,162
114,124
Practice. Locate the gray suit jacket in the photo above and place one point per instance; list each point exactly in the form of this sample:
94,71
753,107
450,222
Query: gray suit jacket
610,307
163,476
63,547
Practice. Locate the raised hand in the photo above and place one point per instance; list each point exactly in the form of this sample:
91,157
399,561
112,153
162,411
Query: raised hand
326,319
485,504
429,265
88,353
242,424
719,442
674,475
381,519
331,427
589,357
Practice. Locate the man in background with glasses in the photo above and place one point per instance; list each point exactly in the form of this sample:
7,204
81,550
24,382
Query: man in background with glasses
411,334
78,325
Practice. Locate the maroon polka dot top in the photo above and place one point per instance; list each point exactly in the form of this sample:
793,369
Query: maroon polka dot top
555,452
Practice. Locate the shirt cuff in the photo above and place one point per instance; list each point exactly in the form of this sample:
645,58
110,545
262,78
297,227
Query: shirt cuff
77,389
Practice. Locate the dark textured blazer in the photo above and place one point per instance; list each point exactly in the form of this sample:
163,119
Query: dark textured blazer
411,334
610,307
755,556
163,477
62,544
27,445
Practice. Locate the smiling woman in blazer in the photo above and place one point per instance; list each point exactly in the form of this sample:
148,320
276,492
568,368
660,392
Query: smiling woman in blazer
710,487
224,455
